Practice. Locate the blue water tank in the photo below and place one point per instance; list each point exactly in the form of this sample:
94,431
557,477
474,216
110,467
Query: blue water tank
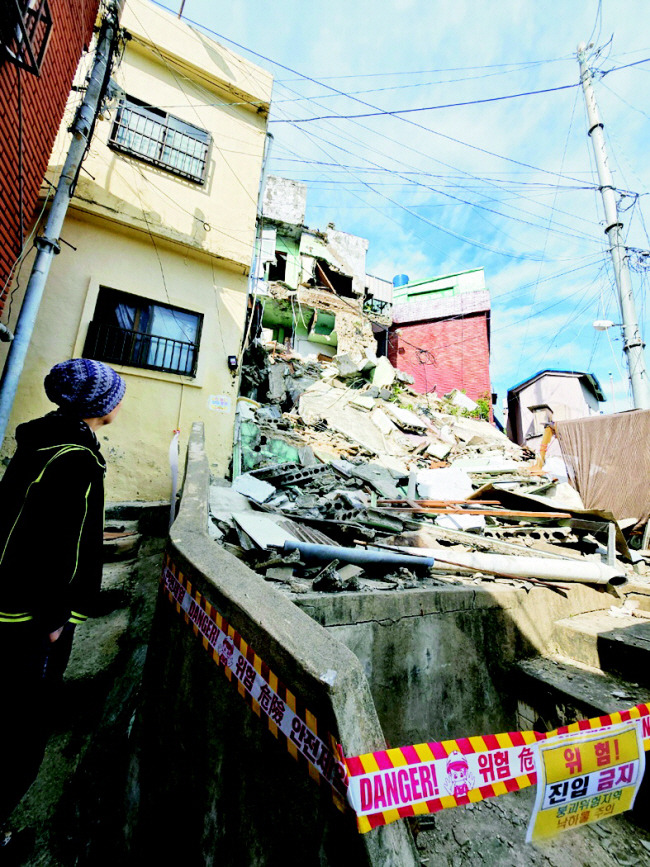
400,280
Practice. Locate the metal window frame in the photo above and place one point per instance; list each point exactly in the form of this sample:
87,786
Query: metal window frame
132,103
28,20
96,323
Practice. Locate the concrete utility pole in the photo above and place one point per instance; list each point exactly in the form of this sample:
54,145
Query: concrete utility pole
47,244
632,342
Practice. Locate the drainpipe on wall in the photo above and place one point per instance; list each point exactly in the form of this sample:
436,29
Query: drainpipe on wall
48,243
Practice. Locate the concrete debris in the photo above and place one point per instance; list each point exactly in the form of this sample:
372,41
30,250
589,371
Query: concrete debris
343,456
460,399
253,488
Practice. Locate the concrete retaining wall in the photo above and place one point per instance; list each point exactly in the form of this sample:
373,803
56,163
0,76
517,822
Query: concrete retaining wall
209,783
439,661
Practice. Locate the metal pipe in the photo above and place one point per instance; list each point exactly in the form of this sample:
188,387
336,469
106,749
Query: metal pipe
358,556
6,335
587,572
48,243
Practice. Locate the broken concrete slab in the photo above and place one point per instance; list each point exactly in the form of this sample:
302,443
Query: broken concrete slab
461,400
262,529
347,365
253,488
438,449
383,376
404,418
364,402
283,574
381,479
448,483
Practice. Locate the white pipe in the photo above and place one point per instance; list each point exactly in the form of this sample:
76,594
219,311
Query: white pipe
587,572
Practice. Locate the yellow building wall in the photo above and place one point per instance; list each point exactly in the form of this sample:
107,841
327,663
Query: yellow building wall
136,445
142,230
217,216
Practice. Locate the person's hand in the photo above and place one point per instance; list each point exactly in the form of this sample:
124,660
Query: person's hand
56,634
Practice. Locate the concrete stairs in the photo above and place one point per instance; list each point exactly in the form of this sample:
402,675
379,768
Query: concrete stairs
84,763
617,645
599,663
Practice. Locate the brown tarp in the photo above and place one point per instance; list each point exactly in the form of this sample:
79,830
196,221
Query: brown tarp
608,461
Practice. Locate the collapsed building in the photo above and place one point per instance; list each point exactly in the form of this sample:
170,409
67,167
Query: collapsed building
312,286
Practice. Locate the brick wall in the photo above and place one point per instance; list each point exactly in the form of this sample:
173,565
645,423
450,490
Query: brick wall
43,102
445,354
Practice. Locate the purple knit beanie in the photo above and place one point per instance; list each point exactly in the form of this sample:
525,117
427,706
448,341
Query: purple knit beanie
87,388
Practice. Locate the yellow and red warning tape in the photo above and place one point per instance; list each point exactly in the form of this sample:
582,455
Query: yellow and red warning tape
386,785
286,716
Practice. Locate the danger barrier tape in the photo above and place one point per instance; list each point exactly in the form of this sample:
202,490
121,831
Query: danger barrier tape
386,785
286,716
409,781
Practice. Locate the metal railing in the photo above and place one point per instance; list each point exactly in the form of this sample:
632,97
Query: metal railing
117,345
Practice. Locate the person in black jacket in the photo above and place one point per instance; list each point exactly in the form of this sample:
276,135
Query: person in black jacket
51,536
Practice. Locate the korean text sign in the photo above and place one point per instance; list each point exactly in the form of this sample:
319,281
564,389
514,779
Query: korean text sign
586,777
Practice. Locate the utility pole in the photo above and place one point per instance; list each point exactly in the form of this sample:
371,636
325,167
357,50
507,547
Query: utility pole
47,244
632,342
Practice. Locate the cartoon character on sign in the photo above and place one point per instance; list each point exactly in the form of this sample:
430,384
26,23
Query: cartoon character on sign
459,779
227,650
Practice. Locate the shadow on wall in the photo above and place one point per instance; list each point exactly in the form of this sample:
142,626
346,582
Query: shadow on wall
207,780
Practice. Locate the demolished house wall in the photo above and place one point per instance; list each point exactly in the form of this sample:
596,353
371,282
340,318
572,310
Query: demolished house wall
284,200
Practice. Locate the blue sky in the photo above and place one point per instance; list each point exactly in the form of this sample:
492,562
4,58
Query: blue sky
508,185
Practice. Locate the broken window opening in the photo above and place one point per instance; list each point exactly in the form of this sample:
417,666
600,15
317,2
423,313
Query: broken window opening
25,32
278,269
327,278
542,415
376,305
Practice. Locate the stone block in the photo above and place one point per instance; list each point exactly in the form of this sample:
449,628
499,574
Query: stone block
383,375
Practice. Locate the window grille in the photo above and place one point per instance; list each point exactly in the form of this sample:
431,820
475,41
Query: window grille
25,31
161,139
130,330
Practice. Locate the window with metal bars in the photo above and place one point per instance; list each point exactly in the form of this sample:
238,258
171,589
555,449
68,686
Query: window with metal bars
161,139
128,329
25,28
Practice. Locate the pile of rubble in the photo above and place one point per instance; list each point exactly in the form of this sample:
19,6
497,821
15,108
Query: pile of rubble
345,478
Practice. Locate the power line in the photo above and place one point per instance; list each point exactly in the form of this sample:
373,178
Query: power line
400,111
305,77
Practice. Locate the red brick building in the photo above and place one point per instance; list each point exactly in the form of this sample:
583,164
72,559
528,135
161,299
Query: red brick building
441,334
41,42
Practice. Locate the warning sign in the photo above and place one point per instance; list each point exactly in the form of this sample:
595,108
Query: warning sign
585,777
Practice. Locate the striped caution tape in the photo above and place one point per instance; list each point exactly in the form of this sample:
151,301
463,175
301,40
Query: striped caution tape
286,716
387,785
409,781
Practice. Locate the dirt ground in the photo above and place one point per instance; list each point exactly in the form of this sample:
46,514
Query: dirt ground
493,832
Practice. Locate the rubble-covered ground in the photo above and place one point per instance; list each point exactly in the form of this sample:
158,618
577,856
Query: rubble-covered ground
344,455
344,452
493,832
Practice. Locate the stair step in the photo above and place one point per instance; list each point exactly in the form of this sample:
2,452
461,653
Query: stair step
617,645
562,691
122,547
116,576
117,525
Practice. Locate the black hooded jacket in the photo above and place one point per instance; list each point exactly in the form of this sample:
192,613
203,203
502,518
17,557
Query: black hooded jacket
51,523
